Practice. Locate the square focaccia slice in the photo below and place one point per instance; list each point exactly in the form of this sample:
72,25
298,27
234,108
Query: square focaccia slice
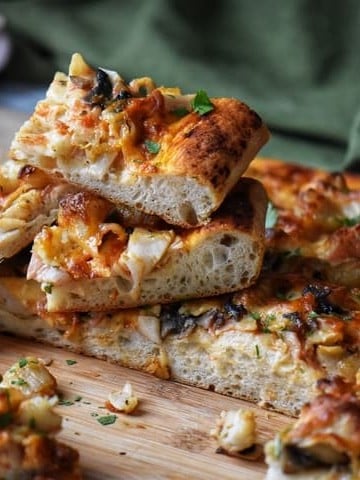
268,344
167,154
90,261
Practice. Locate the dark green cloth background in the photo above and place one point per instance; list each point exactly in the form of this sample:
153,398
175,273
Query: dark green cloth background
296,62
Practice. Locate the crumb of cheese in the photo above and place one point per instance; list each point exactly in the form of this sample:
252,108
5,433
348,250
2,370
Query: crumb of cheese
123,400
235,431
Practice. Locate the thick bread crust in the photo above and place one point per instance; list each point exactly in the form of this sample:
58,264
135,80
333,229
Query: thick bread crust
194,164
222,256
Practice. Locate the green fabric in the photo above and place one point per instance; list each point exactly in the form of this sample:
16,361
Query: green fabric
296,62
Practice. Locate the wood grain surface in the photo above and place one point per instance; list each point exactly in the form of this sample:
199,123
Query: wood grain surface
166,438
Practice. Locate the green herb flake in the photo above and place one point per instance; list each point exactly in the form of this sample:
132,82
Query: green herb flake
255,315
202,103
48,288
271,216
180,112
257,350
350,222
312,315
20,382
65,403
78,398
22,362
107,419
152,147
70,362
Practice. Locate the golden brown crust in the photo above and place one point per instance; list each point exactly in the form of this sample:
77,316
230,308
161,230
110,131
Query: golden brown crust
210,147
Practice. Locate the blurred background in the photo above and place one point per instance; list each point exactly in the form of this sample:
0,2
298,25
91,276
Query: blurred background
296,62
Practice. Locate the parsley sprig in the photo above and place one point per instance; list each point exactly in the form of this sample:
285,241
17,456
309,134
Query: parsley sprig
202,103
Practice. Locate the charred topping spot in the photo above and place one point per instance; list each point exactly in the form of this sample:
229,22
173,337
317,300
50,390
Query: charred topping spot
302,328
235,311
296,459
123,95
102,92
173,322
322,304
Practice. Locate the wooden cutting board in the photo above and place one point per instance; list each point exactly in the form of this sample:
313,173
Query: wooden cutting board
168,437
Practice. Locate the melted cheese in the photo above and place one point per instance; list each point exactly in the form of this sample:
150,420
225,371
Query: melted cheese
82,246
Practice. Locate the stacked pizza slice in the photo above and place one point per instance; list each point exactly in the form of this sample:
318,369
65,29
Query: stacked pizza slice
132,228
124,195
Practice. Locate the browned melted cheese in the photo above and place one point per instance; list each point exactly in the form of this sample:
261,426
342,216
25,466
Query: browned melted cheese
327,434
318,220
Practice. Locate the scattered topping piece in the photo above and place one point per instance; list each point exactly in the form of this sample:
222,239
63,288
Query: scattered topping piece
70,362
38,413
202,103
30,376
152,147
235,433
124,400
107,419
28,424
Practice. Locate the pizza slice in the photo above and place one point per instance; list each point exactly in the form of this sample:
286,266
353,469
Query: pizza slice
268,344
28,201
315,221
29,424
172,155
324,443
89,261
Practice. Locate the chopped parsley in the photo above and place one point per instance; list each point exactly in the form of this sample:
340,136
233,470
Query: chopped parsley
22,362
20,382
257,350
70,362
107,419
350,222
271,216
65,403
152,147
255,315
48,288
202,103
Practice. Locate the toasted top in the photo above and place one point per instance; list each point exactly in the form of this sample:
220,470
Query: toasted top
315,219
173,155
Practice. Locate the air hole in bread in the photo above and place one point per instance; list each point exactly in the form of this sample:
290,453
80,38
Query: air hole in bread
229,240
187,213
